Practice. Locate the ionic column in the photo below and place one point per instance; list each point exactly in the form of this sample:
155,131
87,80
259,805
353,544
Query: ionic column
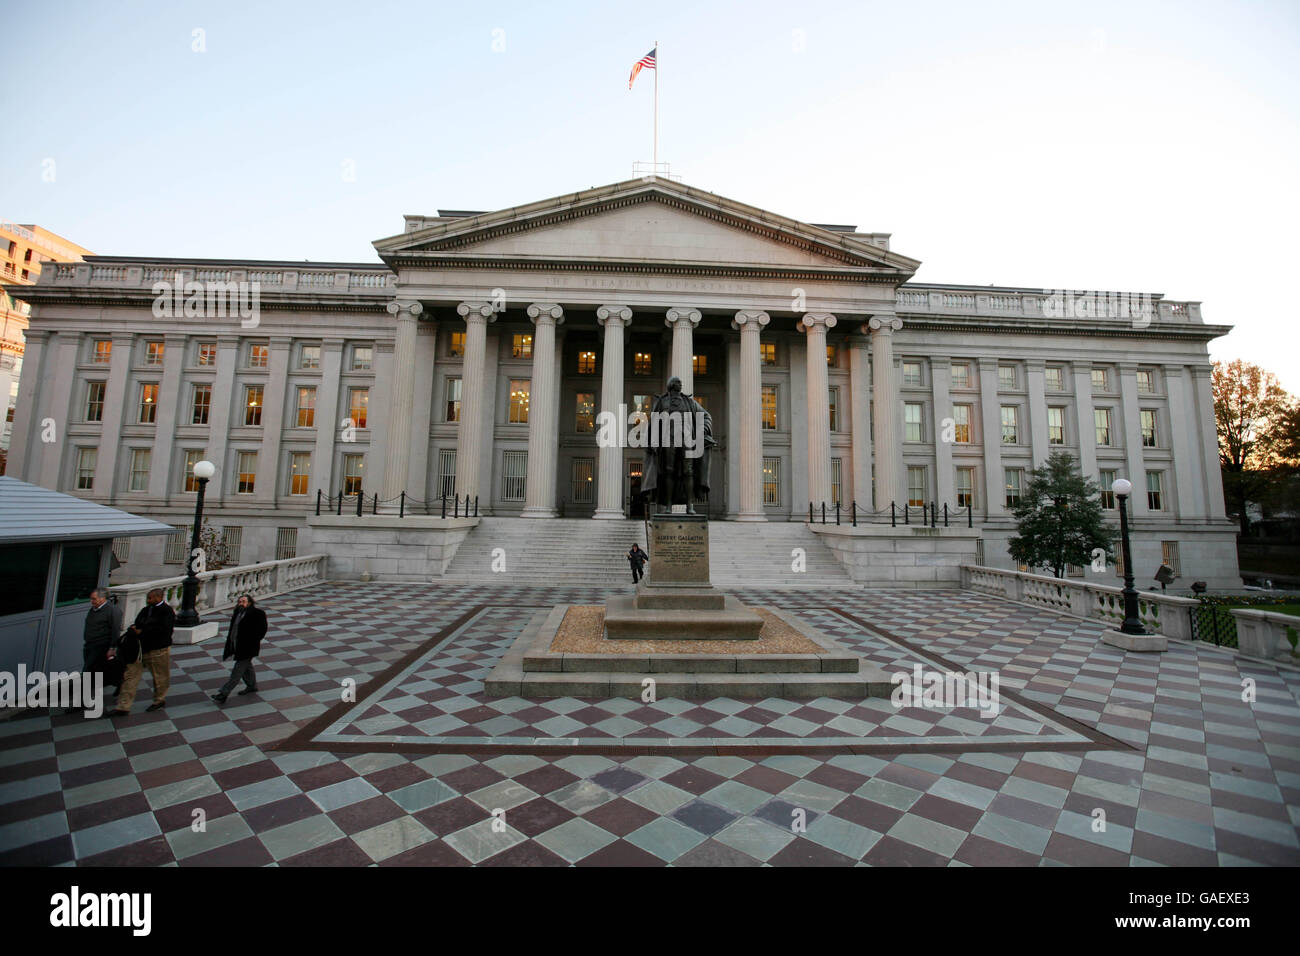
888,450
858,405
539,493
683,323
609,487
814,326
397,447
469,436
750,323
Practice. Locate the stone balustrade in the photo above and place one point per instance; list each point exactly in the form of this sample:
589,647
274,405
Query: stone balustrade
132,275
222,588
1159,613
1045,304
1264,633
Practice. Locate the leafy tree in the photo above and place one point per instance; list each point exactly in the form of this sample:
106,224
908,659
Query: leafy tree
1251,411
1059,518
214,547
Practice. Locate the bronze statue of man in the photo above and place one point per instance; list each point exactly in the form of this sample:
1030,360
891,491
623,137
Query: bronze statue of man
677,470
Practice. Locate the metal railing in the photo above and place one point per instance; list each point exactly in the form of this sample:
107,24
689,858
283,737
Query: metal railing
929,513
403,504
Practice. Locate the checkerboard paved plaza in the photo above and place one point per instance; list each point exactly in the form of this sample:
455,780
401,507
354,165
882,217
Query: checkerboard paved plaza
411,772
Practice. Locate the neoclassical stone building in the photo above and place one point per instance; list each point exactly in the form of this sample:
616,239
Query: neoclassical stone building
476,359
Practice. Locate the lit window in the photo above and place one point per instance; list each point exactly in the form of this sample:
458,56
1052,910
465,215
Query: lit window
140,469
586,363
960,375
1006,376
1148,427
1146,381
965,487
519,388
916,485
642,364
86,458
1099,379
453,400
247,472
252,404
206,354
834,409
700,364
586,416
201,405
1013,477
95,401
1101,419
1155,490
1106,478
148,403
456,348
771,481
363,357
1053,378
767,352
961,424
521,346
306,406
309,357
830,355
103,351
911,373
258,356
769,407
359,406
912,421
353,472
192,457
1010,429
299,472
1056,426
153,353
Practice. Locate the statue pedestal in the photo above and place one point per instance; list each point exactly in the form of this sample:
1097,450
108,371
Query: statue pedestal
676,601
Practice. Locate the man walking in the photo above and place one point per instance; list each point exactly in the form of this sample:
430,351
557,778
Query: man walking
153,629
243,643
637,558
102,628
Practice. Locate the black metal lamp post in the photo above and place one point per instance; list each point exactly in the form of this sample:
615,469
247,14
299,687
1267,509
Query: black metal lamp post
1132,624
188,616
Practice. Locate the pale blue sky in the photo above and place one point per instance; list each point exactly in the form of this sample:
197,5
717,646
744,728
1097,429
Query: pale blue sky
1139,146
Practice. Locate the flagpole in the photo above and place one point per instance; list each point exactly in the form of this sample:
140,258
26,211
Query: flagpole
656,149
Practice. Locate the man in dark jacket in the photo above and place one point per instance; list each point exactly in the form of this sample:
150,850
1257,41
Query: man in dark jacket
153,629
637,558
243,643
103,626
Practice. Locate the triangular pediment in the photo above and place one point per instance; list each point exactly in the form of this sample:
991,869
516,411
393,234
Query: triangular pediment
644,221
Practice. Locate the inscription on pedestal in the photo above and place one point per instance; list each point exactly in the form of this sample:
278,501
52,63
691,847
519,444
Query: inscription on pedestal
679,550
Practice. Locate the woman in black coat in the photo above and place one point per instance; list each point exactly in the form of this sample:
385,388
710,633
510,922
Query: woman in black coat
243,643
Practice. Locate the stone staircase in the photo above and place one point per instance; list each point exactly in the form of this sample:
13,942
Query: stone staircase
583,551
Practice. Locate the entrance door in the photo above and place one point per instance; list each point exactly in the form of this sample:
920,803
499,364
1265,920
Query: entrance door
636,507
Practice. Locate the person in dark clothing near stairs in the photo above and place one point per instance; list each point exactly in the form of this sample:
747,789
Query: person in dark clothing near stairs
638,559
243,643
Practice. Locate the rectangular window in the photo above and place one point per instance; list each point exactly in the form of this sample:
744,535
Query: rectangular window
1155,490
1101,419
103,352
246,468
1146,381
521,345
192,457
453,400
177,547
830,356
306,406
206,354
700,364
148,403
769,407
911,373
309,357
582,481
86,460
354,470
835,407
447,472
95,401
363,357
286,543
585,420
519,400
965,487
1106,478
771,481
1169,556
641,404
1053,378
232,541
767,352
514,475
961,415
201,404
586,363
1013,478
1148,427
1055,426
642,364
837,467
153,353
140,469
1006,376
916,485
1010,429
960,375
299,472
912,422
456,347
359,406
1099,379
252,404
258,355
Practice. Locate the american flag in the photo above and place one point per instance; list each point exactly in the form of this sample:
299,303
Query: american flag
646,61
